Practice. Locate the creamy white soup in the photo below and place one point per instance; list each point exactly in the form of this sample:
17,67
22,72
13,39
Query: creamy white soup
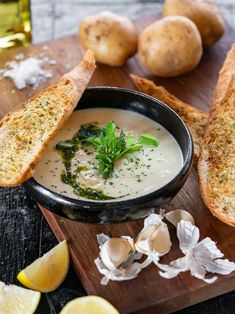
135,174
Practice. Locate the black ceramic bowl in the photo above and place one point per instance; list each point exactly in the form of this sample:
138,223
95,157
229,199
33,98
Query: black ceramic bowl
119,211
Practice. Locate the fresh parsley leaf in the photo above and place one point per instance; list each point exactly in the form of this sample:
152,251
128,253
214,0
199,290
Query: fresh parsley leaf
131,149
111,146
130,140
148,140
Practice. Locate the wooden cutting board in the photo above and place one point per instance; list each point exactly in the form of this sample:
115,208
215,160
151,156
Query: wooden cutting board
149,293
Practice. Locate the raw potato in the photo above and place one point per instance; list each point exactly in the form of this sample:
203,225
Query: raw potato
113,38
170,46
204,14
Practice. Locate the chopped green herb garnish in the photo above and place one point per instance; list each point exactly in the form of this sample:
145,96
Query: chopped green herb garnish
109,145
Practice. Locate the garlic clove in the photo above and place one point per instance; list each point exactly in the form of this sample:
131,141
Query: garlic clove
175,216
153,239
146,233
114,252
160,240
143,240
117,259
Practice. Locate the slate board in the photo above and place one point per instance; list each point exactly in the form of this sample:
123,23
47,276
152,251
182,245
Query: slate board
149,293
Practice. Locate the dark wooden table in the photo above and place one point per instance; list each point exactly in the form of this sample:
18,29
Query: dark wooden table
25,235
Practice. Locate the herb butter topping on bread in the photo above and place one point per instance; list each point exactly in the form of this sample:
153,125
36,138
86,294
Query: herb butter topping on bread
195,119
216,166
26,131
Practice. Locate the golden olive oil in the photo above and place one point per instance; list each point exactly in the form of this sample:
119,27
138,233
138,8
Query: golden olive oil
15,24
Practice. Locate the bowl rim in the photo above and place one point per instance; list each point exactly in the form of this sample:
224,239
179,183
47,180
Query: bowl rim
94,205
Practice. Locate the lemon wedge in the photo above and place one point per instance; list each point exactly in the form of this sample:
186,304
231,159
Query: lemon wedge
46,273
89,305
17,300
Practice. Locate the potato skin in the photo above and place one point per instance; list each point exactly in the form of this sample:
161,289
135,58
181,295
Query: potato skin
113,38
171,46
204,14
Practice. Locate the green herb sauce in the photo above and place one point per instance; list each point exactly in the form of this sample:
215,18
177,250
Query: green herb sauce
67,150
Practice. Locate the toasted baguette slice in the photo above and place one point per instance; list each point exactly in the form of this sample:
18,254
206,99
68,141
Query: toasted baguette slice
195,119
26,131
216,166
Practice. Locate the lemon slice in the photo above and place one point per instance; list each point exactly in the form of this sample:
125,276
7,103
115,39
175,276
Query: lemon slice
47,272
89,305
17,300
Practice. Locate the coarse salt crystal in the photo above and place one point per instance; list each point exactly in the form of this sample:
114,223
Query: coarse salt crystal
26,72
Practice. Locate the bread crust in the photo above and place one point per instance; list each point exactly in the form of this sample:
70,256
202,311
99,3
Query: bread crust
74,83
195,119
216,166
